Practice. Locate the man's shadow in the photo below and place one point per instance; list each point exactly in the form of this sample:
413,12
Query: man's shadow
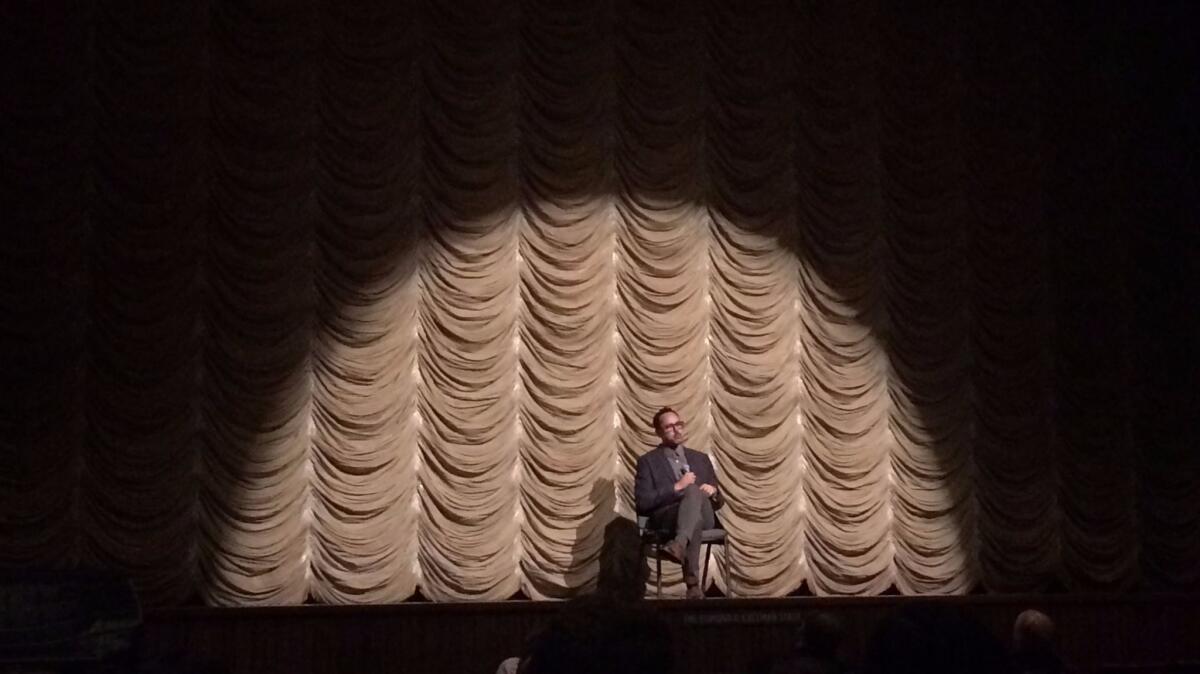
608,557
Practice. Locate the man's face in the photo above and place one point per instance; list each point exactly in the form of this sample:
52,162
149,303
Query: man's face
670,429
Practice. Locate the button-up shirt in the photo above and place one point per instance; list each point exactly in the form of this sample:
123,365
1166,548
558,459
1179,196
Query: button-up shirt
678,460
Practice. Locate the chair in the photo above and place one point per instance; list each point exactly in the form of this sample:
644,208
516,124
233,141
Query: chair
657,538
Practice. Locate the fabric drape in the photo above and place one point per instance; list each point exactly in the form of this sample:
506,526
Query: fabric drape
355,302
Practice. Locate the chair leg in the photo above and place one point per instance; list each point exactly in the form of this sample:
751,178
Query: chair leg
658,575
704,574
728,575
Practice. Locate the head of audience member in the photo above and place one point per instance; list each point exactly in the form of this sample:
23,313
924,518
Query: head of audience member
595,635
1033,632
821,635
1033,642
623,570
933,639
816,649
669,427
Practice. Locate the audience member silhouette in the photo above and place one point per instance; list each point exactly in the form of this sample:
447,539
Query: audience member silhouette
597,634
816,650
1033,644
933,639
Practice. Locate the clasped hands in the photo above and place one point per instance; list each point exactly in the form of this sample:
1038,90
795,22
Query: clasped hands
690,478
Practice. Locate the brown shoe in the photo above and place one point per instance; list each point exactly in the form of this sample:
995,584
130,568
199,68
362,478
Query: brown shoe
674,551
694,592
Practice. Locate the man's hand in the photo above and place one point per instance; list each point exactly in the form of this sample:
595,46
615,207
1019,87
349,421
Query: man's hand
688,478
708,489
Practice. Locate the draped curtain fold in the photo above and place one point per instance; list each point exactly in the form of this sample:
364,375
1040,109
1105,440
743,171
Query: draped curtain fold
351,302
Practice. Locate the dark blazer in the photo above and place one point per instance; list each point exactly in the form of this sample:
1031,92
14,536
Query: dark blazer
654,482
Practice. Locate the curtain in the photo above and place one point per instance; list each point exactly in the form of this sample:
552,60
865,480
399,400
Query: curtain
355,302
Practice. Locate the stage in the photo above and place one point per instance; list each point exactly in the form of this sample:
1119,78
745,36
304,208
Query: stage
1111,633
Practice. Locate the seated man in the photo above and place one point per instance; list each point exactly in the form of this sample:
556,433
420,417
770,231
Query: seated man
676,488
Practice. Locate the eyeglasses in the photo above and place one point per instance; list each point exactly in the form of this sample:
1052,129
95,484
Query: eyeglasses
678,425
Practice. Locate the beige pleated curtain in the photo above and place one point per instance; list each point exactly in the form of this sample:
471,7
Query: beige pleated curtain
354,301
